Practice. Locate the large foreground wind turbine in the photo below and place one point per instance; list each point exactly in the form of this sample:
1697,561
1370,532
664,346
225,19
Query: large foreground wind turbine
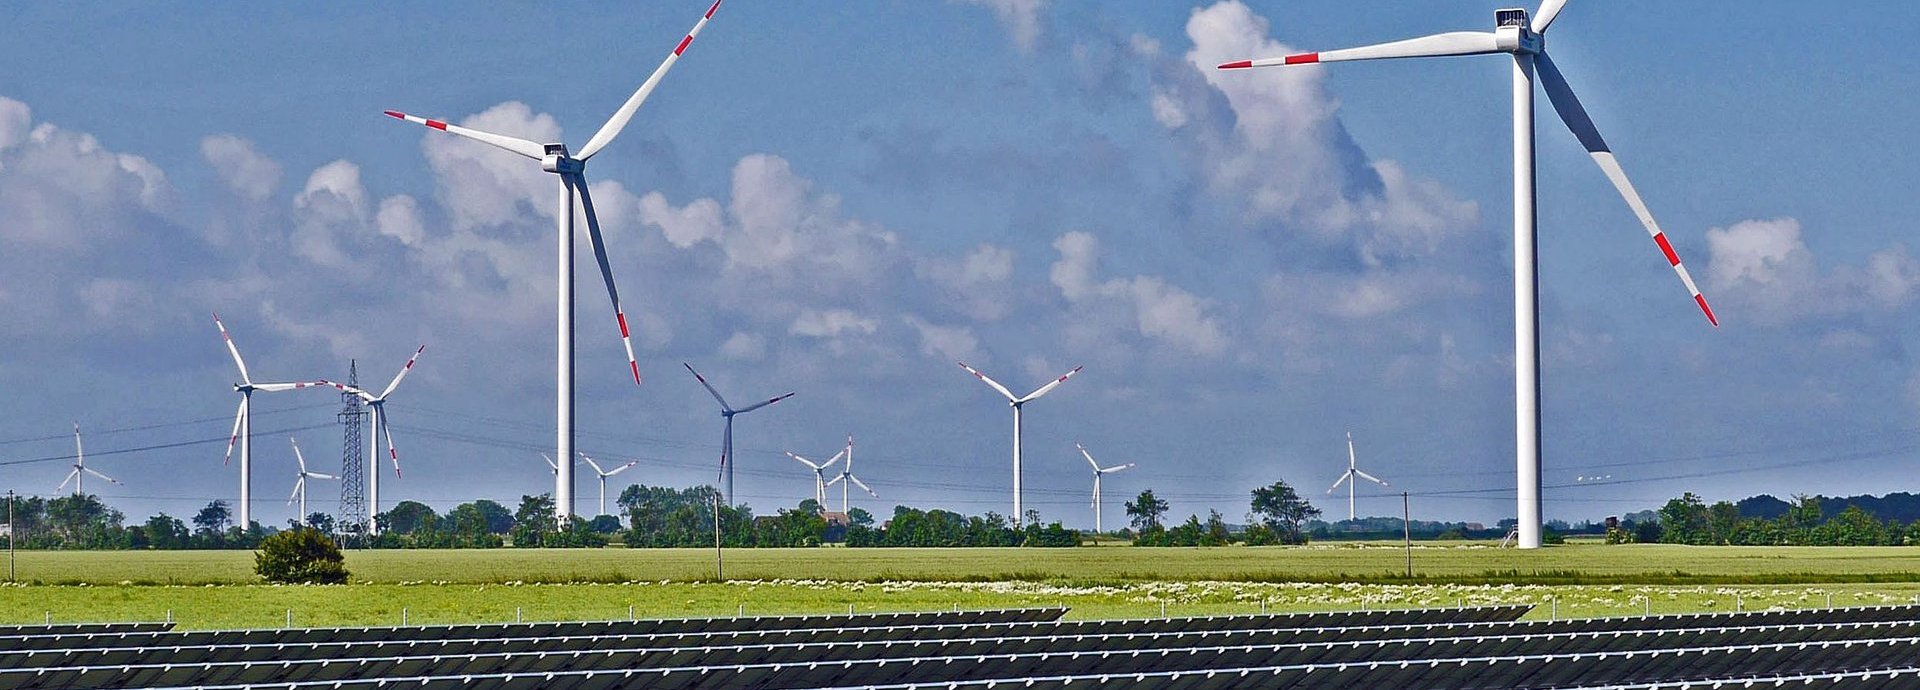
1348,477
1526,42
382,430
1098,471
80,471
846,477
300,485
819,475
573,197
243,422
1017,402
726,440
603,473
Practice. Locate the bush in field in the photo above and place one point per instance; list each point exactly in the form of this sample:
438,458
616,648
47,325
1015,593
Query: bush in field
300,556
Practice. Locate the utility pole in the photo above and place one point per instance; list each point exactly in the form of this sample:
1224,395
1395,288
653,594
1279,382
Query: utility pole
13,535
1406,531
719,567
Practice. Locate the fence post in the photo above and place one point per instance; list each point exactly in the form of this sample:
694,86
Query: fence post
1829,599
1738,605
1646,602
403,616
630,617
517,615
1553,608
169,616
289,618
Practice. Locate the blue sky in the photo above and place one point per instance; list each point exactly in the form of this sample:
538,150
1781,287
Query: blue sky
1249,263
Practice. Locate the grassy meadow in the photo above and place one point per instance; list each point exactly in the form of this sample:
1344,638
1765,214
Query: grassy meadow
217,589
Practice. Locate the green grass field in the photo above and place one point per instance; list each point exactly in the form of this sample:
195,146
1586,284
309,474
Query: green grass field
216,589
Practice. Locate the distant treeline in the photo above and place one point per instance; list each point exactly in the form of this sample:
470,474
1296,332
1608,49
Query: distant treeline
1892,520
666,517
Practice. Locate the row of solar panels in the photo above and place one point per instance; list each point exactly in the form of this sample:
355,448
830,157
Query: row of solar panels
9,633
1271,656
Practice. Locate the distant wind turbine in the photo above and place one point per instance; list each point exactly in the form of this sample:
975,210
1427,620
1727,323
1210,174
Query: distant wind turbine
573,198
1514,34
603,478
80,470
243,421
382,430
1348,477
726,439
300,485
1017,402
819,475
846,476
1098,471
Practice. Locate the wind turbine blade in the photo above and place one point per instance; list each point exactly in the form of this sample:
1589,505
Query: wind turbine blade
79,452
297,456
514,144
1112,470
1088,456
1043,390
386,429
235,351
863,486
238,416
96,473
759,405
1544,17
594,465
1371,478
989,381
317,475
68,480
708,386
579,184
277,387
804,461
1337,482
298,484
344,388
836,458
836,479
395,383
1571,112
622,468
620,117
1437,45
550,462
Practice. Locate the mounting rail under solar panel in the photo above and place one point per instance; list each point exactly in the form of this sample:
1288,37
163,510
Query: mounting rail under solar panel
492,630
859,664
13,631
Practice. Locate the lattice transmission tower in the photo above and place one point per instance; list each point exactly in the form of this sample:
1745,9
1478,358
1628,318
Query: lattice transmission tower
352,519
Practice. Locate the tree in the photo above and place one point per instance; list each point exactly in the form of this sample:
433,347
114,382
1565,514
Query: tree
1216,534
1723,520
322,522
211,523
499,519
534,520
1802,516
1684,520
166,532
860,517
408,517
1283,511
300,556
1146,511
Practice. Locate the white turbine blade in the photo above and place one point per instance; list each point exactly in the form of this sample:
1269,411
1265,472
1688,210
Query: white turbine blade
759,405
514,144
277,387
836,479
298,484
1371,478
238,416
622,468
69,479
804,461
386,429
1043,390
1577,120
79,452
1112,470
1544,17
579,184
708,386
1437,45
96,473
1336,483
297,456
594,465
550,462
344,388
620,117
395,383
836,458
317,475
989,381
235,351
863,486
1088,456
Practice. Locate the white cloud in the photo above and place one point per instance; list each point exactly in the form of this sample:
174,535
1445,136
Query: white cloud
244,169
980,284
775,222
684,227
1020,17
399,218
482,186
15,118
1156,309
744,346
831,323
1765,267
329,211
946,342
62,189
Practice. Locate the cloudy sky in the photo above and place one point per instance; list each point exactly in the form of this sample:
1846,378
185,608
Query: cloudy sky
1248,263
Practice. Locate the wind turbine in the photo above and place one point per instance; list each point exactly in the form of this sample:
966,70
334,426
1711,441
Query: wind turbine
846,476
819,475
1016,402
382,429
1097,472
1525,40
300,485
551,463
243,422
1348,478
726,441
556,159
79,474
603,478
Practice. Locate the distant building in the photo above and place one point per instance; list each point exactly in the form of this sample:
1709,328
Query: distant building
836,519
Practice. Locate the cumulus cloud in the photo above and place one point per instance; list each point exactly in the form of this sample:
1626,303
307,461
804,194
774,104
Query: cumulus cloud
482,186
1764,266
980,283
946,342
1154,308
832,323
328,213
15,118
62,189
1020,17
774,220
245,170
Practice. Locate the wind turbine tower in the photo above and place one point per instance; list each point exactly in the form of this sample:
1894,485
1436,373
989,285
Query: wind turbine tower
1349,478
300,485
726,439
603,474
1098,472
1524,39
846,477
574,199
1018,402
80,470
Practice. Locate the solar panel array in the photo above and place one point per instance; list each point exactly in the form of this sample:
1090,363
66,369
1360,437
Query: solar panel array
1027,648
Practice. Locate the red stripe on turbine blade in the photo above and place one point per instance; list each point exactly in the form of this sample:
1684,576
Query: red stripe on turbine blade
683,45
436,124
396,114
1236,65
623,323
636,372
1661,239
710,10
1303,58
1702,301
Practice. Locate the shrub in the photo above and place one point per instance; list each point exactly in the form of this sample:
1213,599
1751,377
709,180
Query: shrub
300,556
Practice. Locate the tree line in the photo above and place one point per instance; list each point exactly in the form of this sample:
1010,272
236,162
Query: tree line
1768,521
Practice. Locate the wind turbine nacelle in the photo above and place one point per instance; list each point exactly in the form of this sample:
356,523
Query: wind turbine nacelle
1511,33
557,160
